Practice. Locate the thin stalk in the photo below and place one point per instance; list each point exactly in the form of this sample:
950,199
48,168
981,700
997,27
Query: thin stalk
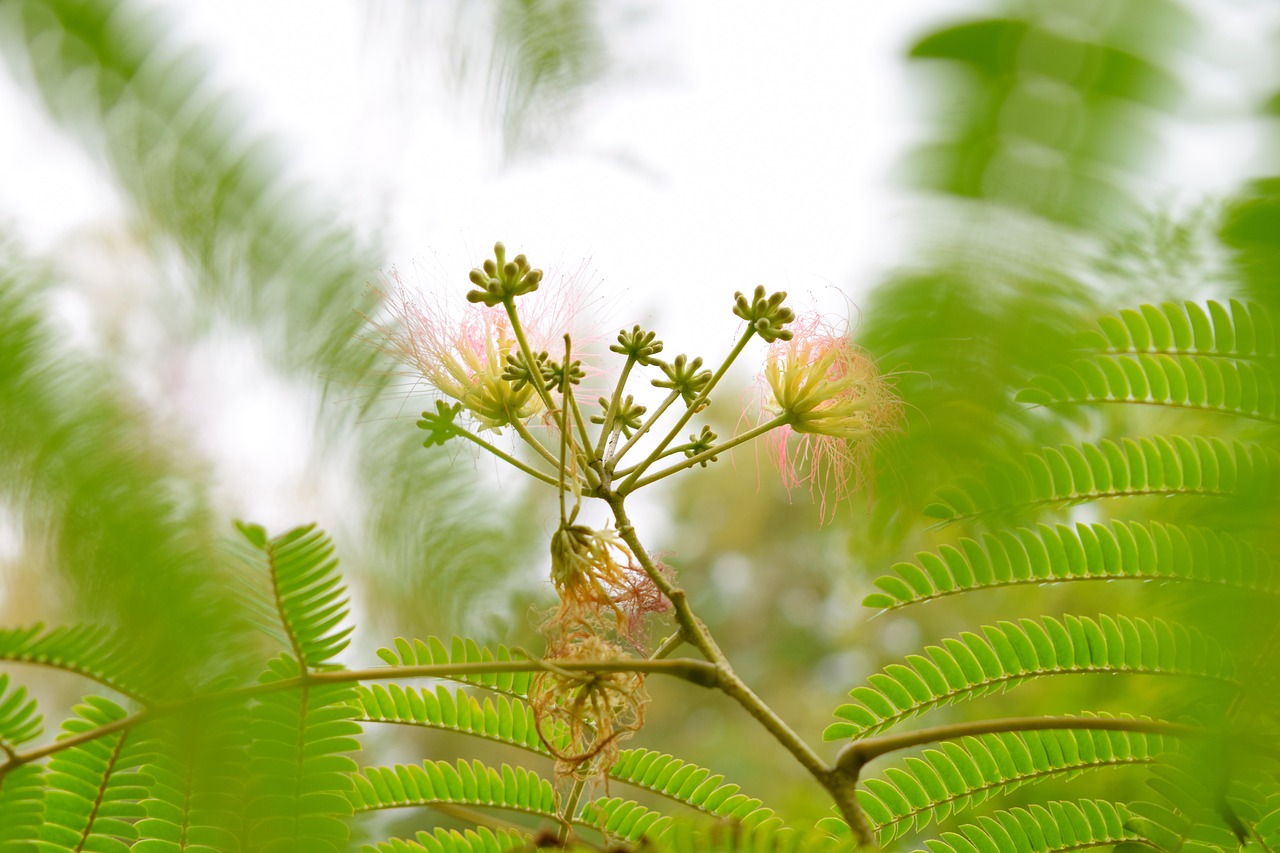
644,427
529,439
692,409
754,432
525,350
668,646
614,402
570,809
506,457
670,451
836,781
584,452
858,753
698,672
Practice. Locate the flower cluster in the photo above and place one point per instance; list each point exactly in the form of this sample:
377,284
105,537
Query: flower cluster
834,405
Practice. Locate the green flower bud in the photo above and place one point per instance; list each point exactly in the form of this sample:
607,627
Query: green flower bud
499,280
701,444
520,374
683,376
637,344
627,417
767,315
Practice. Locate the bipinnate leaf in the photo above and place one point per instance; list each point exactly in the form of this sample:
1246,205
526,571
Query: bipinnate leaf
1009,654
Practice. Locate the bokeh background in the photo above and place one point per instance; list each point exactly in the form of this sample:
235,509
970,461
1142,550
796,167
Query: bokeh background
199,201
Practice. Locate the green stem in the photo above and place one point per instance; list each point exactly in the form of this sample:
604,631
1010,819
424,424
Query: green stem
670,451
858,753
644,427
614,402
570,809
754,432
584,452
697,672
529,439
668,646
535,378
837,782
692,409
504,456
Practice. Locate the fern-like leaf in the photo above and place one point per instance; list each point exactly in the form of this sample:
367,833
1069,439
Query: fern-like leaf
1189,813
1159,465
91,651
467,784
1200,382
299,772
19,720
22,794
433,652
964,773
625,819
689,784
196,800
94,787
1055,826
309,594
497,718
479,840
1059,553
1236,330
1010,654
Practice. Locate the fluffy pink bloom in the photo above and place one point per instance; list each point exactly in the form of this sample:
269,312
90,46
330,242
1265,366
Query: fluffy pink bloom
461,348
835,404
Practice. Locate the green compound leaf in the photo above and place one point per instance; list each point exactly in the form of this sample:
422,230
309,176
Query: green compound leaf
966,772
1061,553
197,799
309,594
298,763
1010,654
433,652
92,651
467,784
1055,826
1071,474
478,840
22,804
498,718
93,789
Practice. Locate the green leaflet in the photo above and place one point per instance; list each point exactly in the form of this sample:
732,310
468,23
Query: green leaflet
309,593
19,720
1236,330
466,783
479,840
93,789
433,651
687,783
22,803
1157,465
89,650
960,774
298,765
1057,825
197,797
1083,552
624,819
1009,654
498,718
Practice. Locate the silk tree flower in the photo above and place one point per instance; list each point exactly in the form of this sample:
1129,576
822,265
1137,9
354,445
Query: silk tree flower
835,405
462,352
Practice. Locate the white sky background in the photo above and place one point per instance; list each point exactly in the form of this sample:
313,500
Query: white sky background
732,143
